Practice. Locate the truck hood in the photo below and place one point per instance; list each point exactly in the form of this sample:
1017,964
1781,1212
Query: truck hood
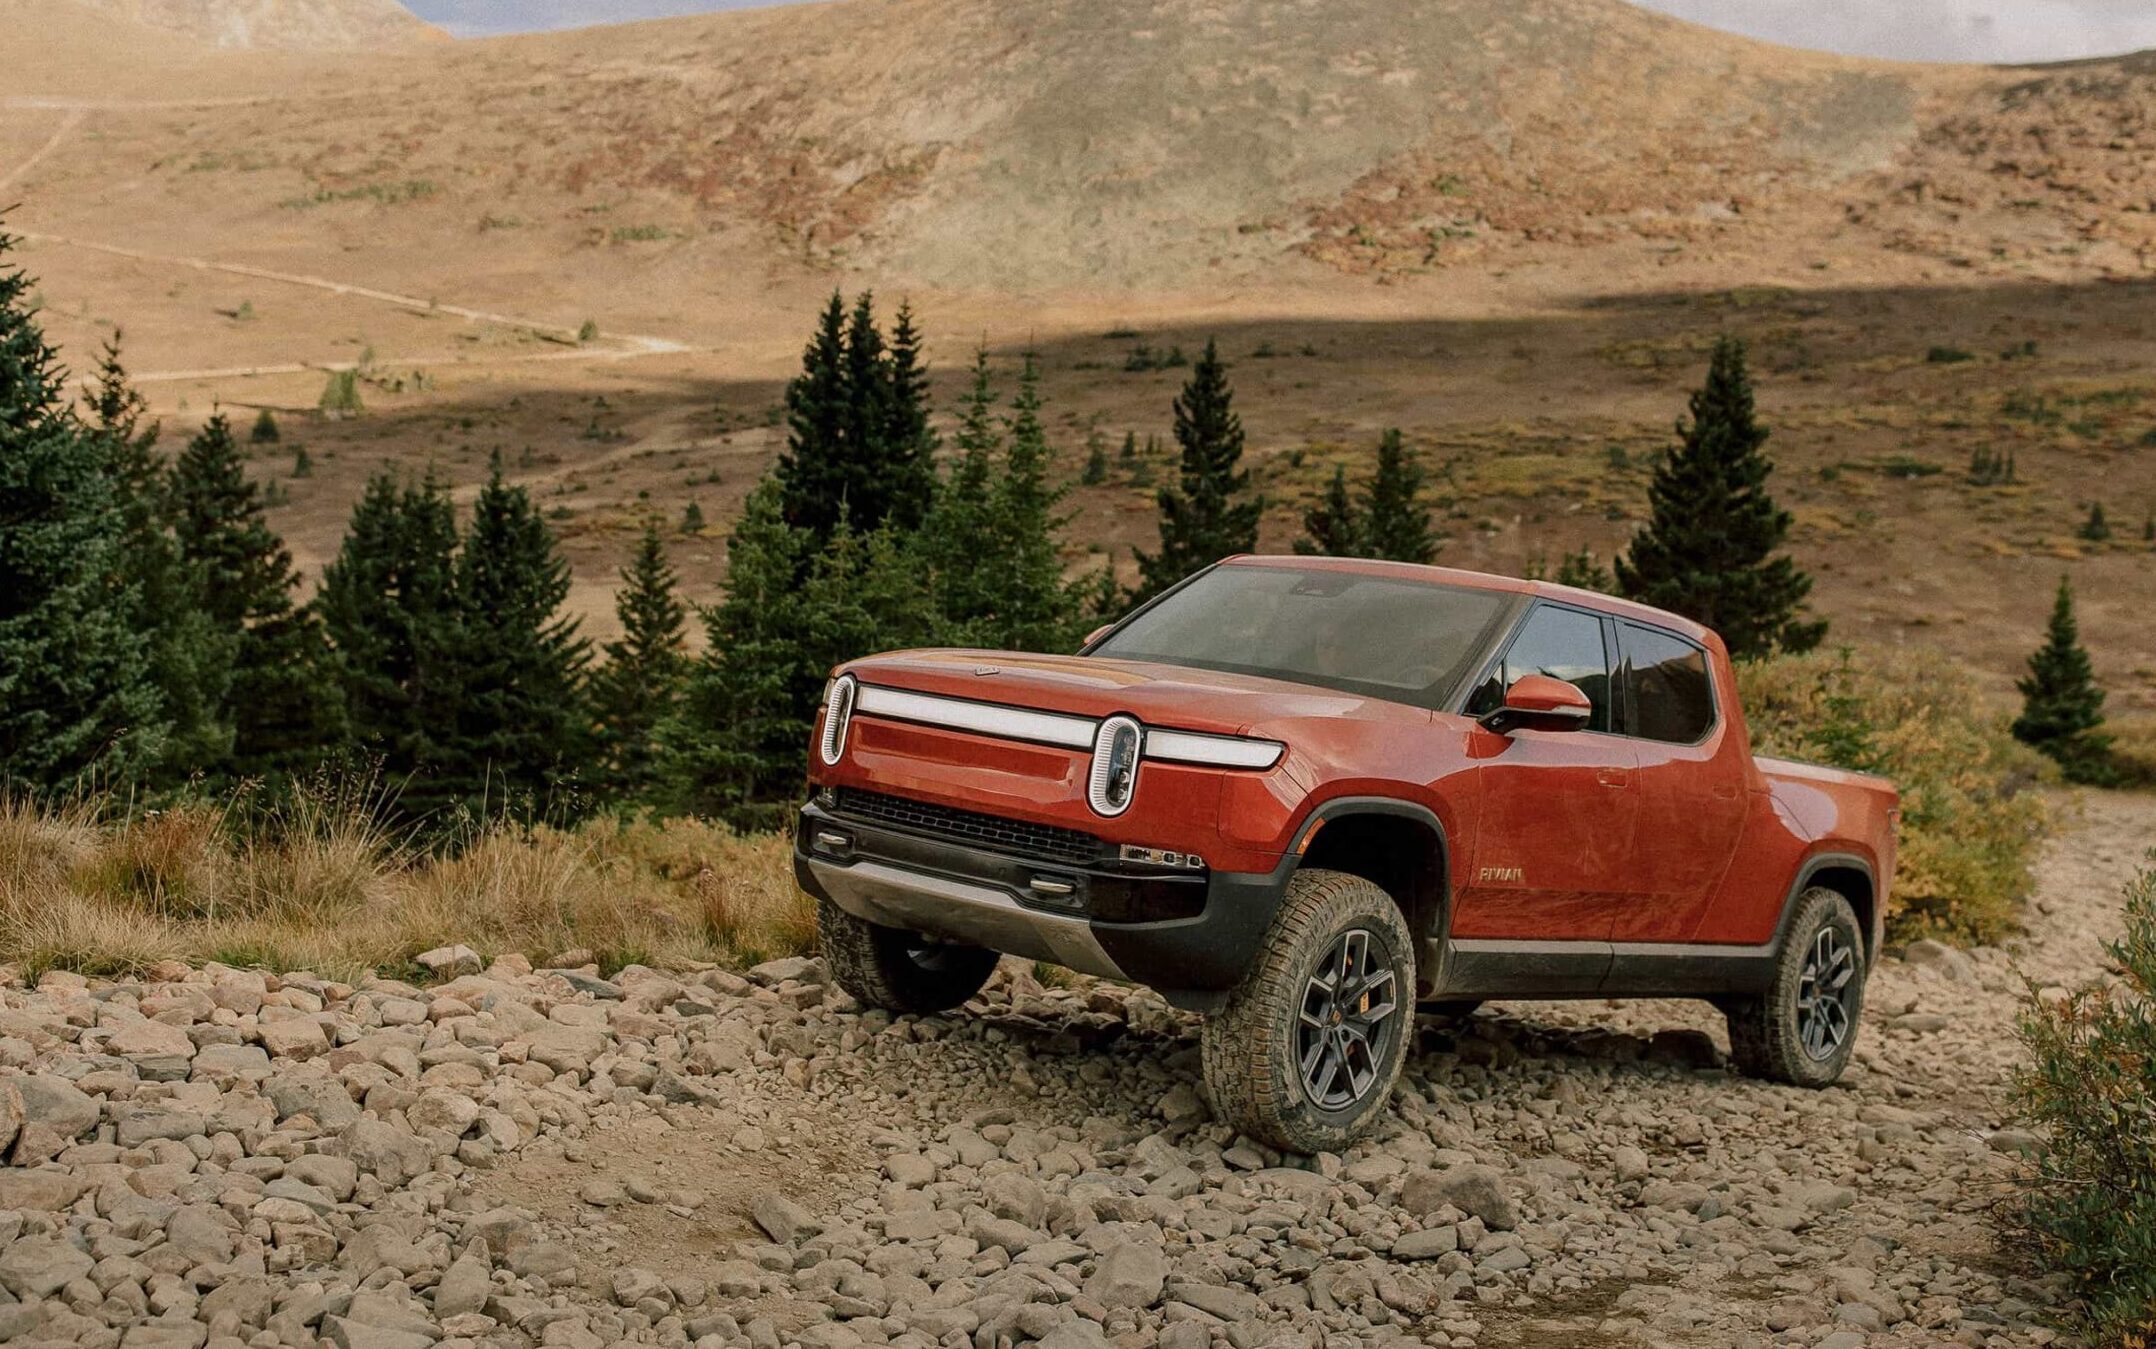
1158,695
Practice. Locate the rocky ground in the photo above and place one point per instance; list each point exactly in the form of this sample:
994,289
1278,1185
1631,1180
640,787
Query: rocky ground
516,1157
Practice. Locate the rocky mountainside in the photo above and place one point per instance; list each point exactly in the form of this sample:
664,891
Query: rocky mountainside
295,25
1036,145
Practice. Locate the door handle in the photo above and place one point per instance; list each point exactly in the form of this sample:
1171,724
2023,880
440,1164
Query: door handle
1613,777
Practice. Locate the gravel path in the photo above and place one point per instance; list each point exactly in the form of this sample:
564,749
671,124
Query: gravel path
515,1158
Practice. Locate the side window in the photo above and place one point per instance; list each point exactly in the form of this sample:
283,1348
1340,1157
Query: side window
1564,644
1666,686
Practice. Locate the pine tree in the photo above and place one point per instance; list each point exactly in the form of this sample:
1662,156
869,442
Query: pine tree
1333,527
813,471
522,724
1709,548
908,460
1096,462
640,684
949,546
78,699
1396,522
2096,529
1035,610
1209,516
795,606
265,430
2062,710
389,605
190,658
278,709
858,442
692,520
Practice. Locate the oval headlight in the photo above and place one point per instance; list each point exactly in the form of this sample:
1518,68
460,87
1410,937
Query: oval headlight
837,716
1114,779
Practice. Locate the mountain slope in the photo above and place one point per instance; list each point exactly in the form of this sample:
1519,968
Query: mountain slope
293,25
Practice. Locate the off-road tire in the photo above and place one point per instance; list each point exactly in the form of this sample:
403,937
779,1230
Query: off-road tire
1251,1064
895,969
1765,1039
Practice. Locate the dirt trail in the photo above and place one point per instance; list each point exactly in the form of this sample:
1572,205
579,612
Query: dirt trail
68,123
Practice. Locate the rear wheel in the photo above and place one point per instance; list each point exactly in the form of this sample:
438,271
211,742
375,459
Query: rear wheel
898,970
1804,1028
1306,1052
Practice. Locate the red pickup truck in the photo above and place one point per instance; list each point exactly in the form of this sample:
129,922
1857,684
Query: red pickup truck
1308,796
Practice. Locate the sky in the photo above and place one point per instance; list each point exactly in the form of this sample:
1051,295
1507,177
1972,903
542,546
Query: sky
1907,30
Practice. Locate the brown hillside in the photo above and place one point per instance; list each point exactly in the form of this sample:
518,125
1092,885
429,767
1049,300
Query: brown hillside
299,25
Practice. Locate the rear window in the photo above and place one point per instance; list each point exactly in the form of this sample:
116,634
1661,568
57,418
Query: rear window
1666,686
1404,641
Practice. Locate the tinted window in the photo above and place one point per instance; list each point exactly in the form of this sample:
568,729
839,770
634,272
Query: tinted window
1406,641
1666,685
1563,644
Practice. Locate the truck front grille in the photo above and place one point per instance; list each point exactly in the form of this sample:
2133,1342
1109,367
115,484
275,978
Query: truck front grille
1040,842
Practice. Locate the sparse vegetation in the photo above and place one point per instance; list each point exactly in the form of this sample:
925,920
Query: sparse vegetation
1948,356
2091,1076
340,395
265,430
319,882
380,194
1991,468
1970,824
2095,528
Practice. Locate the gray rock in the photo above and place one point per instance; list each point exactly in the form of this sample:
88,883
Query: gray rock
33,1267
1470,1187
1427,1244
447,962
1016,1197
1937,955
57,1104
386,1152
1129,1275
1076,1333
465,1286
781,1218
140,1124
1233,1305
795,969
345,1333
312,1093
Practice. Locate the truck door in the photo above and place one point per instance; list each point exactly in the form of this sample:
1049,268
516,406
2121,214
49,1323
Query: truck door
1558,807
1692,784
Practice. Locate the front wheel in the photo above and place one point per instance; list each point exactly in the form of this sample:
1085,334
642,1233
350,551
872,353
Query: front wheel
1306,1052
1804,1028
895,969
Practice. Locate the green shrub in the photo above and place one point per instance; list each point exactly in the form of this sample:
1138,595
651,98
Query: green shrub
2091,1084
1969,826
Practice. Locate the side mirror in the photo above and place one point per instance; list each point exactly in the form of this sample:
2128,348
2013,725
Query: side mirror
1096,634
1540,703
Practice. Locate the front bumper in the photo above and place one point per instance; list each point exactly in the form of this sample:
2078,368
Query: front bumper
1045,910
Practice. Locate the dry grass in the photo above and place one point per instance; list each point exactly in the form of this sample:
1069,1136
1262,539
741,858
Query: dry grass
320,884
1970,823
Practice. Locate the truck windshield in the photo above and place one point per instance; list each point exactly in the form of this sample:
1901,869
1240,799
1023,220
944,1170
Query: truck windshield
1404,641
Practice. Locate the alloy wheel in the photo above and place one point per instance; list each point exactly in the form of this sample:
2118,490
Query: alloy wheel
1824,991
1349,1015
